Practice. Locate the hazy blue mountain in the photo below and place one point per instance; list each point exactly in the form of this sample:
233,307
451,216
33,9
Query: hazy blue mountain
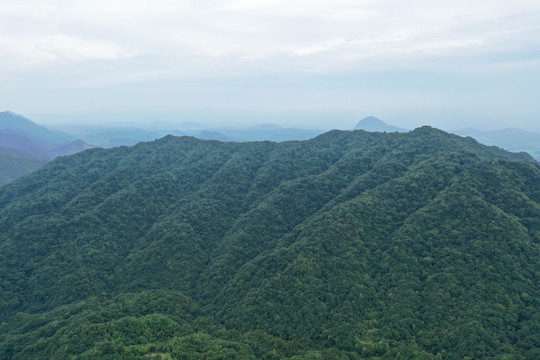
374,124
511,139
18,143
26,146
112,136
214,135
38,134
12,140
20,156
71,148
14,153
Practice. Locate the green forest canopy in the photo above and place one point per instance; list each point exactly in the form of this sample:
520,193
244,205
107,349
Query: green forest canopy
351,245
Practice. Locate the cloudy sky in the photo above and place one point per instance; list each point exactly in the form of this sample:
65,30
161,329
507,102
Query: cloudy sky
449,64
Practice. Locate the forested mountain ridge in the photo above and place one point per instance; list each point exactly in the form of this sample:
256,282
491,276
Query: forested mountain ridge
349,245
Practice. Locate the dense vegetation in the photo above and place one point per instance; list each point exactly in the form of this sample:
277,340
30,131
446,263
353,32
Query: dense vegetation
351,245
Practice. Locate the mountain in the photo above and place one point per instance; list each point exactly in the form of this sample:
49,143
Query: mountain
19,156
30,146
11,140
511,139
70,148
26,128
214,135
108,136
351,245
372,123
14,152
26,148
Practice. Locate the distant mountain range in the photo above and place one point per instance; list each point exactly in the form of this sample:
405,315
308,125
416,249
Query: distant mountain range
108,137
20,133
511,139
14,141
112,136
26,146
28,140
32,141
28,129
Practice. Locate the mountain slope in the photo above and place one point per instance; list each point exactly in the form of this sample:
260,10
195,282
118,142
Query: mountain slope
352,244
33,145
11,140
70,148
25,127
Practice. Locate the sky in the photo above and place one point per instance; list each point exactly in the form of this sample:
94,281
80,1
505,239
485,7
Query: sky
307,63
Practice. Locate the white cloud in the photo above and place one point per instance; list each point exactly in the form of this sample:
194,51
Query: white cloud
263,31
62,46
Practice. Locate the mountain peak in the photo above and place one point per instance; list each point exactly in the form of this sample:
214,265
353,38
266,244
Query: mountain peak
36,133
371,120
371,123
8,112
9,118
